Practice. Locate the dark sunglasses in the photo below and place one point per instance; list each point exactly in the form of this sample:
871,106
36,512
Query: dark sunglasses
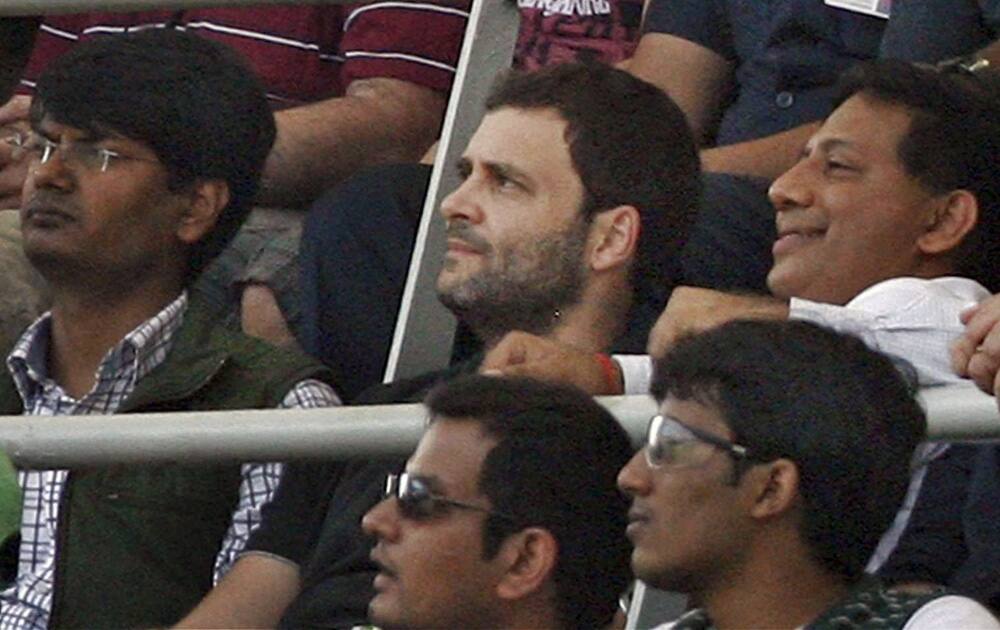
418,502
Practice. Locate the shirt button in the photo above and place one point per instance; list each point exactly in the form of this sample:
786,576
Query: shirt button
784,100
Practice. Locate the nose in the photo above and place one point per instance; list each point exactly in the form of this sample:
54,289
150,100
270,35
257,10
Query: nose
382,521
53,173
793,189
463,204
634,478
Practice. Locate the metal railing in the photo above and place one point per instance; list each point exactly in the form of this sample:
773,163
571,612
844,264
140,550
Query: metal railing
959,413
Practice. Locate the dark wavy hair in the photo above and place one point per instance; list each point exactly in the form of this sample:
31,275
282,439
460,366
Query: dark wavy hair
845,414
194,102
630,145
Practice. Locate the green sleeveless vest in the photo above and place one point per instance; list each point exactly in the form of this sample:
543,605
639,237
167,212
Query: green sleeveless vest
136,544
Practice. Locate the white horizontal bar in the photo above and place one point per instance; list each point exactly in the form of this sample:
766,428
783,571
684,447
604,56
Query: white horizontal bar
956,413
50,7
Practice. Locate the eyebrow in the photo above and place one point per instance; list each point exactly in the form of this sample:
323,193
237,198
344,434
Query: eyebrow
507,170
85,135
828,144
504,169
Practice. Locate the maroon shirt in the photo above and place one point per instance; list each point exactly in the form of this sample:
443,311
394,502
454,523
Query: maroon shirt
302,53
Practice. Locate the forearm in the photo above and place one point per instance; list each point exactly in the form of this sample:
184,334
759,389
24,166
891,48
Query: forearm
254,594
318,145
766,157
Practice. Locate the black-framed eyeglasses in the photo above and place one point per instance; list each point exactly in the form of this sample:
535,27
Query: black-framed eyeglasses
670,442
76,154
418,502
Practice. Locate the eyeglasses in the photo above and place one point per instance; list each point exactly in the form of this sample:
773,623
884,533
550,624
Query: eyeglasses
418,502
77,154
670,442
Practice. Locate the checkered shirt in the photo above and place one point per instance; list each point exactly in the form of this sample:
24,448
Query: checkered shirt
28,602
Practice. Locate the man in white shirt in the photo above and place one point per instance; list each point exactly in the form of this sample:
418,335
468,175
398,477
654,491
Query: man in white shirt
888,227
778,456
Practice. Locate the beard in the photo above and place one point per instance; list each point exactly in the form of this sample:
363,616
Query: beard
524,285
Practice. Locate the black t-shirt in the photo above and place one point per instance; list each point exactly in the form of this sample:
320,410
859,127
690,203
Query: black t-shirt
315,520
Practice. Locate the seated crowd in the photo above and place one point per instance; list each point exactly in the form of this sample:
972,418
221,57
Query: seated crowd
797,223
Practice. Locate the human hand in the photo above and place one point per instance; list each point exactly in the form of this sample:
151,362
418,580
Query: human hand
524,354
691,310
976,354
13,165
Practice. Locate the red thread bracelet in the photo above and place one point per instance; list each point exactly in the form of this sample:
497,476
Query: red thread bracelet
612,376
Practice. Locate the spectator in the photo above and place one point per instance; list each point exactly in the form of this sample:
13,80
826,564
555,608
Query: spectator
352,85
358,238
754,80
145,152
507,515
544,236
780,453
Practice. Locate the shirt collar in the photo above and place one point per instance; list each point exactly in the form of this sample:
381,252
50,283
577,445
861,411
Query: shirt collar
139,352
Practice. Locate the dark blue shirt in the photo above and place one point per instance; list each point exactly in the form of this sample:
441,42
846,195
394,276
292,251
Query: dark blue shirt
787,55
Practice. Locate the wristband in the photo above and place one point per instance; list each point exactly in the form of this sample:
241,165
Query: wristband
612,374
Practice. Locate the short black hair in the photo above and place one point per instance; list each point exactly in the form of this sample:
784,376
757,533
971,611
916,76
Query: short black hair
842,412
555,463
193,101
953,143
630,145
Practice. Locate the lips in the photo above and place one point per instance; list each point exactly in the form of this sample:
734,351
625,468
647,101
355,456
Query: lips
385,574
638,518
457,246
790,240
43,214
462,239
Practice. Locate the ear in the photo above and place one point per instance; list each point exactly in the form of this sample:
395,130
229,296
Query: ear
954,217
205,199
614,234
529,558
774,488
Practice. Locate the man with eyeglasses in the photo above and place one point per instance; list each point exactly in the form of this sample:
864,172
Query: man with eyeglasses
507,515
779,456
145,152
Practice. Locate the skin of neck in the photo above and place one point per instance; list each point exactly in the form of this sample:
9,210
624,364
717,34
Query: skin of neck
88,321
779,585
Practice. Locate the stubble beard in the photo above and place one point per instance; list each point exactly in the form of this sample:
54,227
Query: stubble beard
524,288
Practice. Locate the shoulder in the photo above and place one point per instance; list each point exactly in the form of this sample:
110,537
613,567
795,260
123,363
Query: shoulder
952,611
908,288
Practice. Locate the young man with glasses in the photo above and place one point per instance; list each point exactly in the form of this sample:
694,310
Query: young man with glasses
145,152
780,454
507,515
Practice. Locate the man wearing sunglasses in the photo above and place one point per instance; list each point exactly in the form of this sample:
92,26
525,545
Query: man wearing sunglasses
145,151
780,454
507,515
